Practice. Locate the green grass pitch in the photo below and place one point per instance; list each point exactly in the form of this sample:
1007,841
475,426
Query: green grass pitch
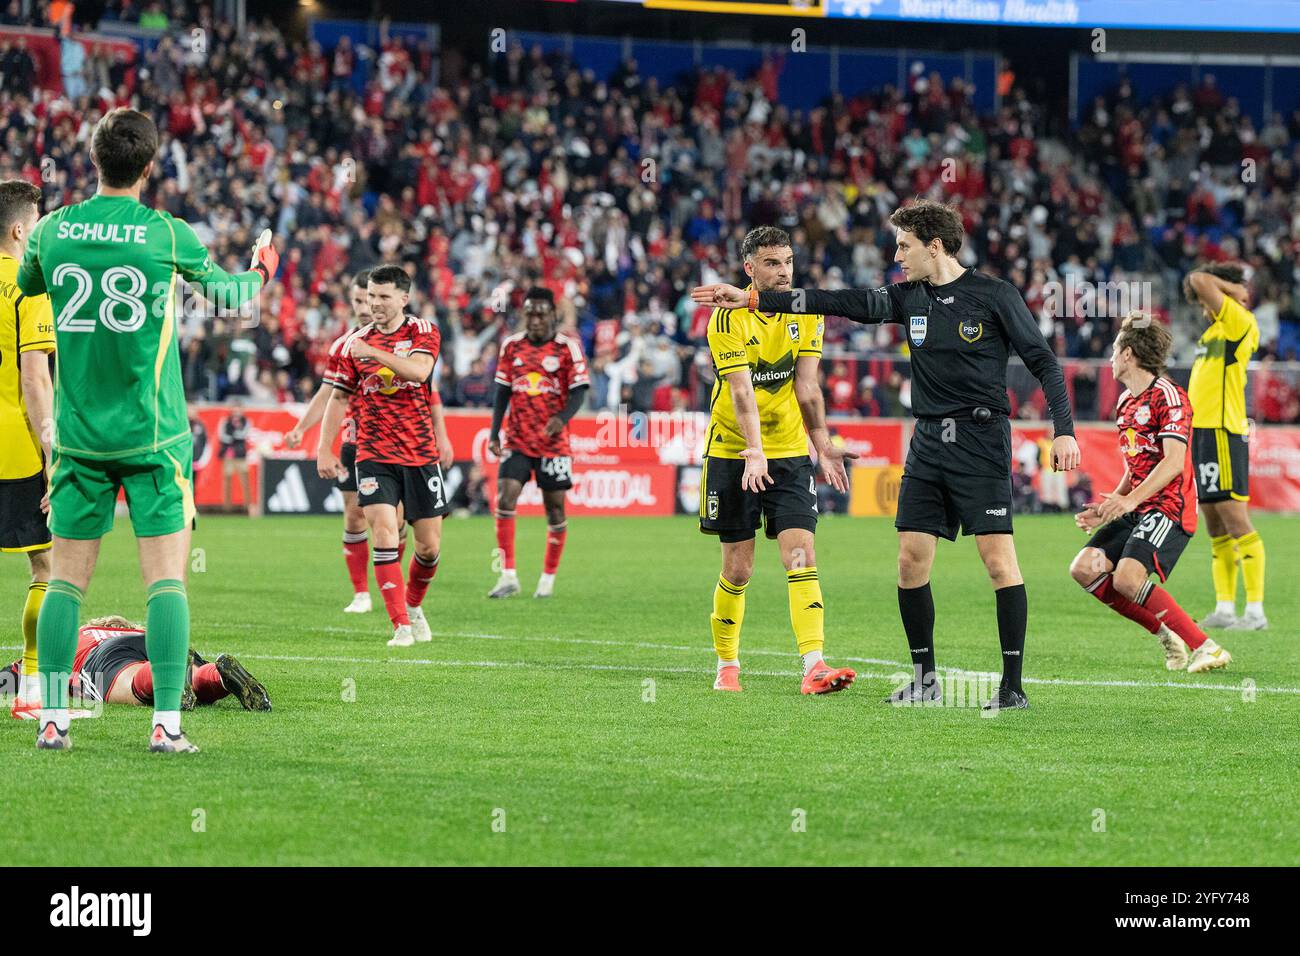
584,730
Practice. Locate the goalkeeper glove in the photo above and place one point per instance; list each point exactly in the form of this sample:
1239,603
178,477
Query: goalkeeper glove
266,259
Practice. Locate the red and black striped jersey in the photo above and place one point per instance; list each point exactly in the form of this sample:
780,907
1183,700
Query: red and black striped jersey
1144,422
539,376
393,417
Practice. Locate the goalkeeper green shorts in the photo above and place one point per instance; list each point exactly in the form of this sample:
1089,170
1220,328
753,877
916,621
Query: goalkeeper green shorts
159,493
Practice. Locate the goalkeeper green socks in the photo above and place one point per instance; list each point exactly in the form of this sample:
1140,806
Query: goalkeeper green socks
56,647
167,639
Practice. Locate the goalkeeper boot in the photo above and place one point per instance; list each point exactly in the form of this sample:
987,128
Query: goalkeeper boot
824,679
161,742
1209,656
728,679
913,694
419,625
360,604
507,585
242,685
1008,699
1175,649
51,738
402,636
1218,618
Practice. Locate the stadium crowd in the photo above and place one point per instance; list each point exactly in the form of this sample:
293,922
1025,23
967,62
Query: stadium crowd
620,194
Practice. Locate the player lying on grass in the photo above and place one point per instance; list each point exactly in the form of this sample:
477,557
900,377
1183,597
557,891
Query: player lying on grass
757,470
1146,522
112,665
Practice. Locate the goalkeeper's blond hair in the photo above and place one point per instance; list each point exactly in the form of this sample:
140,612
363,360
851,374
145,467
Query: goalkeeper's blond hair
116,621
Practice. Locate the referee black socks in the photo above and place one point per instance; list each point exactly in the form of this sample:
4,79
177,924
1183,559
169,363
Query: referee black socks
1013,615
916,608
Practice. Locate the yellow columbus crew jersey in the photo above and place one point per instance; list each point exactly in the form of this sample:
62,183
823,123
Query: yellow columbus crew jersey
768,346
1218,383
26,324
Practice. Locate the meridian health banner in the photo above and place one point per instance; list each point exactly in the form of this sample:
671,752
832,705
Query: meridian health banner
1263,15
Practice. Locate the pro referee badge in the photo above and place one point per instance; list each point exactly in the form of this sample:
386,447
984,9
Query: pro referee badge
711,506
916,331
970,331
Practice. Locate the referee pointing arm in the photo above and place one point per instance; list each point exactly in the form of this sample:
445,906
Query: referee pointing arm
962,327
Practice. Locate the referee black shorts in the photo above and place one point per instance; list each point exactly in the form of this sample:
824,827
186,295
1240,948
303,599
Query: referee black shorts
734,514
23,526
957,475
1222,461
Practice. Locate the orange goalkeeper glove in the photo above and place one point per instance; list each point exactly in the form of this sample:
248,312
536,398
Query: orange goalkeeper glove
265,257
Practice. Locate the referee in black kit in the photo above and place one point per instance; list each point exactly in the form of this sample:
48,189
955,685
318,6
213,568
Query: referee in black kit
962,326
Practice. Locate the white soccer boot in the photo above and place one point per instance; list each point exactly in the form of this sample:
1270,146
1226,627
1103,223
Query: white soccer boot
1208,657
1218,618
1250,621
1175,649
507,585
419,625
360,604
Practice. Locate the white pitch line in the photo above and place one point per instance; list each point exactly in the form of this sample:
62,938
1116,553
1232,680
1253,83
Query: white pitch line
1046,681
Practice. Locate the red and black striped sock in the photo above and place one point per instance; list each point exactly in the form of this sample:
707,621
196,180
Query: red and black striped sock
388,575
1103,589
418,575
555,535
1162,604
356,552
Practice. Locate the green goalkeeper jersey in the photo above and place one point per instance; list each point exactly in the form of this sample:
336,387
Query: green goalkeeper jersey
110,266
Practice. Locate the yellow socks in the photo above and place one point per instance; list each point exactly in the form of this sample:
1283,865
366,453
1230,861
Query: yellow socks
31,611
728,614
1250,549
806,611
1223,561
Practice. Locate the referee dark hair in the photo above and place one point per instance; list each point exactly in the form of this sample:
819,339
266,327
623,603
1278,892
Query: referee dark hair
961,326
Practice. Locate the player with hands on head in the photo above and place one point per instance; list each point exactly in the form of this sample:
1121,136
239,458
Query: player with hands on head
1221,440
